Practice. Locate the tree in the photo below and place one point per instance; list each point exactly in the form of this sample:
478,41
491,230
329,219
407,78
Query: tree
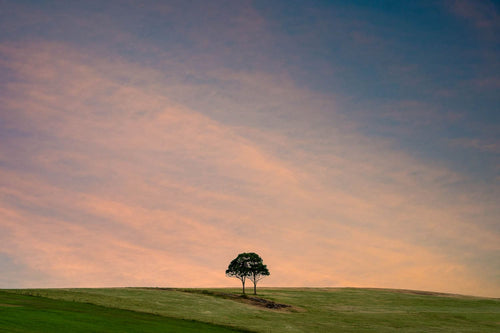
258,270
238,269
248,265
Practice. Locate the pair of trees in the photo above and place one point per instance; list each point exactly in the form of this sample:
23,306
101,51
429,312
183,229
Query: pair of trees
248,265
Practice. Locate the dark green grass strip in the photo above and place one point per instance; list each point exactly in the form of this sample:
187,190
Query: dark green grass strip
21,313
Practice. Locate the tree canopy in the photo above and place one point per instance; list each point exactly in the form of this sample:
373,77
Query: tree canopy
248,265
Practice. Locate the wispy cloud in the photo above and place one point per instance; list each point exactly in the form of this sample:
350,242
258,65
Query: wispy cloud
110,177
483,14
481,145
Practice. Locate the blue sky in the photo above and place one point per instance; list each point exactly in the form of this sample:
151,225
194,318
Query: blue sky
349,143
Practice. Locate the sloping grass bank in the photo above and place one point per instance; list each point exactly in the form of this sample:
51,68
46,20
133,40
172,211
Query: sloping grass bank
312,310
24,313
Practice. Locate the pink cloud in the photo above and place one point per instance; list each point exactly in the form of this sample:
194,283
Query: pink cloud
123,184
482,14
479,144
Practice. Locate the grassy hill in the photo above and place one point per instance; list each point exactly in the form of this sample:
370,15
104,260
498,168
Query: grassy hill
222,310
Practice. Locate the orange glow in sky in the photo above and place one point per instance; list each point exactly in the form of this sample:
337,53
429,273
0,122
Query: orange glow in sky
149,145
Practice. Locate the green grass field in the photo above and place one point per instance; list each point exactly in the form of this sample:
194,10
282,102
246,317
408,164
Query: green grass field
215,310
24,313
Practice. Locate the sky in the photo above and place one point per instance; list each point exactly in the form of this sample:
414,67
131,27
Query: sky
348,143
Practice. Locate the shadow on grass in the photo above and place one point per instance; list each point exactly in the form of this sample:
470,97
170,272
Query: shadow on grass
242,298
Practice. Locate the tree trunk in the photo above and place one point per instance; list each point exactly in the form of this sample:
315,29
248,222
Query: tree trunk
243,283
255,288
